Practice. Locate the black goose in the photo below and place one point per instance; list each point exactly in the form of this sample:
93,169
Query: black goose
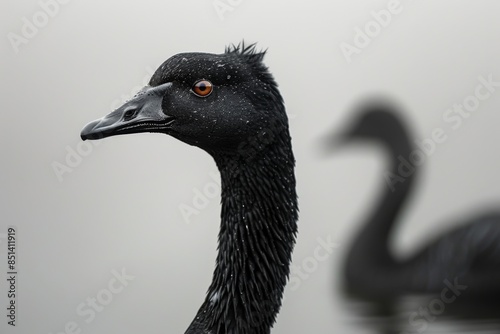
466,259
229,105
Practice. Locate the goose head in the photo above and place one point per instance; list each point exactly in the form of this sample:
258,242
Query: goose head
229,105
378,122
213,101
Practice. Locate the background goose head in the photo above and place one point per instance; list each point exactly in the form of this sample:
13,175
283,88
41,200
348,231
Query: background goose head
213,101
379,122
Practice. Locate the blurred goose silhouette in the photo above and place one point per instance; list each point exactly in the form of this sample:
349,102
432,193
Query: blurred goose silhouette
465,261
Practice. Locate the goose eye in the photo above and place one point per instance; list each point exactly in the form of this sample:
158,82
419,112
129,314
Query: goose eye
202,88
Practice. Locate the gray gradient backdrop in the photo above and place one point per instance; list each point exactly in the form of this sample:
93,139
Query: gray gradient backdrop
118,208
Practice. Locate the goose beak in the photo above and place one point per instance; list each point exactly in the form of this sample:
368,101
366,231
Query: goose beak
143,113
333,143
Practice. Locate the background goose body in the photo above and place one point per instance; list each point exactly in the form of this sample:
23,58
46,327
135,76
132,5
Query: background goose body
468,256
229,105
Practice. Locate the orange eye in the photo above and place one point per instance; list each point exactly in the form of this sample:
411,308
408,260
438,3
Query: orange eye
202,88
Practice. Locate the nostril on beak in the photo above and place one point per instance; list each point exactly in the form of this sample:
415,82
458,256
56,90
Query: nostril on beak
129,113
